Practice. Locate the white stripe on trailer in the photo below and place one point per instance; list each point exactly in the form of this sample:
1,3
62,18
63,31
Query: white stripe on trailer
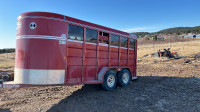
39,76
115,46
123,48
41,37
91,43
103,44
79,41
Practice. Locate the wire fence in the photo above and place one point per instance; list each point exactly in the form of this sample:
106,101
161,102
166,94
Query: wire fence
181,46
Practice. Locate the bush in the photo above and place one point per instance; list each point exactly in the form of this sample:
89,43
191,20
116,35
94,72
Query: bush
9,50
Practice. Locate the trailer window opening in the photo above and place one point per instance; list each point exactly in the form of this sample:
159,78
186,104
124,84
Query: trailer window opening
75,32
104,34
101,33
114,40
91,36
124,42
132,43
103,38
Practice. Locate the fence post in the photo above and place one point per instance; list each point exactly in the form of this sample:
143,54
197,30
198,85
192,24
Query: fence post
182,45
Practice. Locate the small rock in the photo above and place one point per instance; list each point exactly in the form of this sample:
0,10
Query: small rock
155,61
187,61
196,66
196,56
145,55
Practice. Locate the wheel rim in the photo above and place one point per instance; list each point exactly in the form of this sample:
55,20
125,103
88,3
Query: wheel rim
110,81
125,78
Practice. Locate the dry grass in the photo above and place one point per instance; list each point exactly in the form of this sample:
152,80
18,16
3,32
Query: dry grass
187,48
7,61
151,66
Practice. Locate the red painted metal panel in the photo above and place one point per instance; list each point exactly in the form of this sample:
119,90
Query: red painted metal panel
132,69
131,62
109,50
103,48
135,57
103,54
114,49
114,55
123,56
39,54
119,52
131,57
73,74
44,27
90,53
83,61
91,46
97,58
128,51
132,51
93,82
66,51
123,50
75,44
33,49
73,52
90,61
74,61
90,73
113,62
123,62
103,62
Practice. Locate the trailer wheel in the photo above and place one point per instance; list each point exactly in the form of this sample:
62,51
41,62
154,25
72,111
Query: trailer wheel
110,81
124,78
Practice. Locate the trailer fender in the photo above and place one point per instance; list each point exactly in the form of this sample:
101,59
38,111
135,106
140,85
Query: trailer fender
102,73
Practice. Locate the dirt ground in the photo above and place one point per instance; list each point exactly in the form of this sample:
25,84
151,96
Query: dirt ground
163,85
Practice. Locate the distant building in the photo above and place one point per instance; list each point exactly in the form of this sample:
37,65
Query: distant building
198,36
161,38
189,36
192,36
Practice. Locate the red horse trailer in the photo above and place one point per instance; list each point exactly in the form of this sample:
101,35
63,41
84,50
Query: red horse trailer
54,49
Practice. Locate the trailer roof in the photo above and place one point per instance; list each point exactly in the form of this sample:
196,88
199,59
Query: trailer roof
76,21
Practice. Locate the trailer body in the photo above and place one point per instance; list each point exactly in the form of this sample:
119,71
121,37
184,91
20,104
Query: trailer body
53,49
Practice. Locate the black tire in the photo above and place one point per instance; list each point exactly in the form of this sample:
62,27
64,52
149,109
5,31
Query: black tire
121,78
110,75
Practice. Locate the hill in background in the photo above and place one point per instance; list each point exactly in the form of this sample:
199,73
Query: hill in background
172,31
